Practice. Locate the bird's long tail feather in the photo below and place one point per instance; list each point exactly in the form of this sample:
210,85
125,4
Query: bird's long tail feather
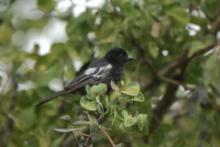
51,97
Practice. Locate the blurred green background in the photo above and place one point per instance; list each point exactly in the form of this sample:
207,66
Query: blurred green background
44,43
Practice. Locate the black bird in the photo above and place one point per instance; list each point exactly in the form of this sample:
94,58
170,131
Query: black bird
104,70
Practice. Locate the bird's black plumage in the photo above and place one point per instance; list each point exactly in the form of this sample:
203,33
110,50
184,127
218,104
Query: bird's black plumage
104,70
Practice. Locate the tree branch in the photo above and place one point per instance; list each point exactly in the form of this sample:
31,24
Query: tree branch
178,83
202,51
167,100
173,84
163,106
177,63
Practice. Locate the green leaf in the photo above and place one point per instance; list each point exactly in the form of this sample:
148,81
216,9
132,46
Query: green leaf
89,95
115,116
199,44
24,116
128,120
153,49
179,14
132,89
114,86
93,120
99,89
88,88
88,104
142,121
122,83
46,5
139,98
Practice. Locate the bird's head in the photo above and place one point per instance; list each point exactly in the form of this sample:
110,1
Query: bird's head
117,56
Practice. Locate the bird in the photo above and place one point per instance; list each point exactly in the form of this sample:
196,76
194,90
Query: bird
103,70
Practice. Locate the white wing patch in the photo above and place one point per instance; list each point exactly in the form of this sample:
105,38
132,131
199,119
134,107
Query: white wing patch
103,71
90,71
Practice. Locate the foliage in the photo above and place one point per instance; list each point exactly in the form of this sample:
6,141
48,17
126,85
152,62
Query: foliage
175,101
97,106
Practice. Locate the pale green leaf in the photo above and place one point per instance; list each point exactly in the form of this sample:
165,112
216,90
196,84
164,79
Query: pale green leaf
99,89
88,104
114,86
142,120
179,14
128,120
132,89
139,98
68,130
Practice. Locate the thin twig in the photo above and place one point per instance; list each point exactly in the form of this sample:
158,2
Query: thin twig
87,140
108,136
178,83
137,69
177,63
202,51
84,134
151,67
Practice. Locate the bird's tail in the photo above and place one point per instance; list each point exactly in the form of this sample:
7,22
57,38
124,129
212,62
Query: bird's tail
51,97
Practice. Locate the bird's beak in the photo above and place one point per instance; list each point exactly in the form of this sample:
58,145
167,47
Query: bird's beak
130,59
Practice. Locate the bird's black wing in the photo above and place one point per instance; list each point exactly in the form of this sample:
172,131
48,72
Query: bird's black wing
79,82
95,73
